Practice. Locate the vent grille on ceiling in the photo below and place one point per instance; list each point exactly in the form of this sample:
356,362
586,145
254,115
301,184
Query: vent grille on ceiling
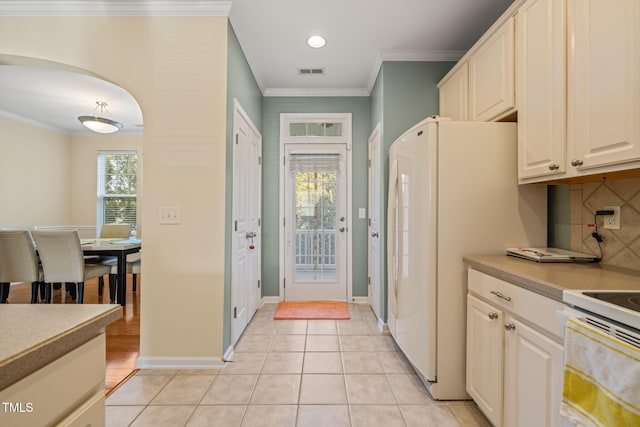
311,71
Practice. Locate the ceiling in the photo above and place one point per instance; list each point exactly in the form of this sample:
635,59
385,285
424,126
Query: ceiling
360,35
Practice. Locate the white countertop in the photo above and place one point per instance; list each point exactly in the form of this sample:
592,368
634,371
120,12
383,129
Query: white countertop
33,335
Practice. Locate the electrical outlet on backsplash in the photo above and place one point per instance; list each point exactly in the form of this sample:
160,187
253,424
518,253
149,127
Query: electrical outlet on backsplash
620,248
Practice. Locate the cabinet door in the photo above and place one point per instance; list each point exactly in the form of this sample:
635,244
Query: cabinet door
603,82
541,91
491,75
533,377
454,95
485,358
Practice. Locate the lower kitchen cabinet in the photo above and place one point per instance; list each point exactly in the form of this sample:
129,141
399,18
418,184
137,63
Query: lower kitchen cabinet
514,353
533,373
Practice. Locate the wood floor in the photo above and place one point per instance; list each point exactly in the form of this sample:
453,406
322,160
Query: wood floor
123,336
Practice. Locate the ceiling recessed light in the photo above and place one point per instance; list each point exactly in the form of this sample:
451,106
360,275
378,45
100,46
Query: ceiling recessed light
316,42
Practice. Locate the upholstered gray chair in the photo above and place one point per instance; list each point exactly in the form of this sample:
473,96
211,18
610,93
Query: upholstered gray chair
18,262
63,261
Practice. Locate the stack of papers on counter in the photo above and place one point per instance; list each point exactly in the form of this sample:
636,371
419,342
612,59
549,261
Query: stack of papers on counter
551,255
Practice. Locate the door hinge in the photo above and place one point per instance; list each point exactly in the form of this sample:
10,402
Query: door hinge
237,139
369,162
259,222
235,227
258,283
284,222
369,280
259,160
235,312
283,160
369,222
284,282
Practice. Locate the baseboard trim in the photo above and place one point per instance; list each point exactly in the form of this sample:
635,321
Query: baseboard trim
360,300
228,355
151,362
383,328
270,300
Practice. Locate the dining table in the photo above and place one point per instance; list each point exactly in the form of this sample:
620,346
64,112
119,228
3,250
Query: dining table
118,248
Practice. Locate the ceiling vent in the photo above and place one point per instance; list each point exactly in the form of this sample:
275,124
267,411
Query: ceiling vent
311,71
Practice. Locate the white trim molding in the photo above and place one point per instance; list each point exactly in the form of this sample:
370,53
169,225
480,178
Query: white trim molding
115,8
152,362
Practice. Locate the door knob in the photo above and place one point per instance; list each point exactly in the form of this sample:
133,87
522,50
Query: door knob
250,234
341,229
374,234
341,219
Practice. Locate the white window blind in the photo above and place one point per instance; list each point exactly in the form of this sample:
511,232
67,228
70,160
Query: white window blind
315,163
117,188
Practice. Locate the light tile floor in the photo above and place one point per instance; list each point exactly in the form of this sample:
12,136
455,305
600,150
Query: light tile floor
293,373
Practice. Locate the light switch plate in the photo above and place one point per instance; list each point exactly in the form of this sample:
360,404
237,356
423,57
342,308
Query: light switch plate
362,213
169,215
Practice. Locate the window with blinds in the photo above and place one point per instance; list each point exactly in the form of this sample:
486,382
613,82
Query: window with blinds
117,188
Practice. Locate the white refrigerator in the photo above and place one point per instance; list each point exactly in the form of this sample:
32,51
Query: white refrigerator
453,191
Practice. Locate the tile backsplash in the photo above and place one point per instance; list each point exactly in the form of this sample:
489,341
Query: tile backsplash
620,248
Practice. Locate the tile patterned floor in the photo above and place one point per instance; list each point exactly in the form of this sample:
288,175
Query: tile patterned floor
293,373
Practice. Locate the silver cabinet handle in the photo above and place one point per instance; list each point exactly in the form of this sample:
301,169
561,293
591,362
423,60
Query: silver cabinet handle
576,162
501,295
374,234
509,326
554,167
493,315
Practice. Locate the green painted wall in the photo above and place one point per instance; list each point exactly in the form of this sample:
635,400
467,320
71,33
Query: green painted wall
559,219
241,85
404,94
359,107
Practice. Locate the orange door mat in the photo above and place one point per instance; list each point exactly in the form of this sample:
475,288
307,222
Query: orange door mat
312,310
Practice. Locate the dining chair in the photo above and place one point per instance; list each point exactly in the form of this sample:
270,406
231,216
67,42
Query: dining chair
63,261
115,231
18,263
134,265
109,231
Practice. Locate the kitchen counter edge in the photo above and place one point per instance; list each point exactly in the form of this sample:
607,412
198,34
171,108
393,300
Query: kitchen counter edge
551,279
60,329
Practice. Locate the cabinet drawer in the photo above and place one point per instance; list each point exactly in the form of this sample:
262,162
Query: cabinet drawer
536,309
53,392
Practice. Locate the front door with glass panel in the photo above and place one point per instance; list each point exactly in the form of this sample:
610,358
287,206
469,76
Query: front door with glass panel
315,222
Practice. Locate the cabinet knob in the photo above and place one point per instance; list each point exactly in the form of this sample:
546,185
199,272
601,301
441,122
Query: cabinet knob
576,162
553,166
493,315
509,326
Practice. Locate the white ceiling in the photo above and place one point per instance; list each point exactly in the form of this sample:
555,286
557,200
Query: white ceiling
360,34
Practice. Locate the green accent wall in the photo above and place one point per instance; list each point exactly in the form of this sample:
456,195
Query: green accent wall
558,214
359,107
404,94
241,85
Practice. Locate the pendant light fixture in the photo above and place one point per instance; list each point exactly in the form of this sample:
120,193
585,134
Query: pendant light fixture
98,123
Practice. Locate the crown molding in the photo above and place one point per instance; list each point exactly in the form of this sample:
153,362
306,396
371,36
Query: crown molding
315,92
409,56
115,8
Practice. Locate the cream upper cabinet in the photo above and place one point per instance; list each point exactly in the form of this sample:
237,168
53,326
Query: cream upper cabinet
541,89
491,75
454,94
603,84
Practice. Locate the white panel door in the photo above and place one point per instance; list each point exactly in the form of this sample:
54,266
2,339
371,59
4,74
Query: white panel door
375,193
315,222
245,246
